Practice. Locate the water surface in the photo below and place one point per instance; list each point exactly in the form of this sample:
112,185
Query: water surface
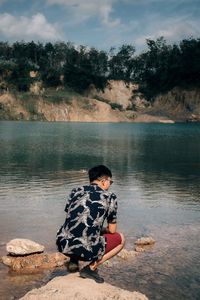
156,170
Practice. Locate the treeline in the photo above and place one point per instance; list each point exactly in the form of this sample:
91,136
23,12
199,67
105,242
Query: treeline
158,69
163,67
62,63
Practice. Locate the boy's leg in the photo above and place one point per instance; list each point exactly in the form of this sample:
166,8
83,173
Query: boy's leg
115,243
73,265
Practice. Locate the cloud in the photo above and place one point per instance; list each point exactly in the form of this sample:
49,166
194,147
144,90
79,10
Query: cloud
146,2
25,28
172,29
87,9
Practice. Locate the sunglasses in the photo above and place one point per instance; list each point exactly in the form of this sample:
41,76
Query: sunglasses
111,181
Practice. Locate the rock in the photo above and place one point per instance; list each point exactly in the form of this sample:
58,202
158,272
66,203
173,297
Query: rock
23,247
35,261
139,249
139,102
125,254
149,118
166,121
74,287
145,241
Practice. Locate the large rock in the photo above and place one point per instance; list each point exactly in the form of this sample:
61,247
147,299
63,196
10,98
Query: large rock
75,288
23,247
35,261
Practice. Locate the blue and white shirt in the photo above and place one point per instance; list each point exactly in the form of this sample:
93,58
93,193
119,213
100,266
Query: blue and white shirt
87,208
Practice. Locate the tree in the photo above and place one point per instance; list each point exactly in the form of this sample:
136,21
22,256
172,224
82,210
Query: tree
121,63
190,62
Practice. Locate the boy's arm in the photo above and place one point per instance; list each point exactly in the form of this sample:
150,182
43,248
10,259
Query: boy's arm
112,215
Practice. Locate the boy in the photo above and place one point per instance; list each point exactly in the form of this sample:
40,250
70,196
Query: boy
82,236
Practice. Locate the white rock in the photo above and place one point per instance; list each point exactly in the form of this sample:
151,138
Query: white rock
23,247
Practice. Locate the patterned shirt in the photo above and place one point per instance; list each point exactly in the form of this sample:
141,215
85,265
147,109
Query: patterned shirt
87,208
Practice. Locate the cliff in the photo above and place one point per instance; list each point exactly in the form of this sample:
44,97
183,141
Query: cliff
179,104
116,91
77,110
119,102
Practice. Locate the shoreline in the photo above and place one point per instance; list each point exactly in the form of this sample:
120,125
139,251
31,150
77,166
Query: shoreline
170,122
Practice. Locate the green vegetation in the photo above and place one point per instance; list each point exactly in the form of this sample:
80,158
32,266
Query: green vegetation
58,96
163,67
116,106
157,70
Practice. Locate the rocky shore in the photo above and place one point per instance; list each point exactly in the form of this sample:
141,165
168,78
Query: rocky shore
73,287
28,256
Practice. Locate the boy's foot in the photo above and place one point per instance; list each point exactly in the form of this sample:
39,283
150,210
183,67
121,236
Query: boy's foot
86,272
72,265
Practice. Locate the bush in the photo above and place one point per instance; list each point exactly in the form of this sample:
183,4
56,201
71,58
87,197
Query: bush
116,106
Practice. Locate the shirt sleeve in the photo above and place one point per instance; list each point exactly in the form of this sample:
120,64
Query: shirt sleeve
71,195
112,211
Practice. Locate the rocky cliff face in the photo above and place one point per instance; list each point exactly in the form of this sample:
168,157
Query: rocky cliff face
179,104
176,105
117,91
78,110
12,109
89,110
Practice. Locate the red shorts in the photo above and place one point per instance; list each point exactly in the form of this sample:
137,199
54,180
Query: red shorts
112,241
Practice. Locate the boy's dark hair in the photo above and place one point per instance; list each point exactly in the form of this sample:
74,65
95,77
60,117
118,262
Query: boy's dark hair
99,171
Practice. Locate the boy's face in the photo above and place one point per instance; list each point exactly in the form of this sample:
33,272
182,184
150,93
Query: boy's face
105,183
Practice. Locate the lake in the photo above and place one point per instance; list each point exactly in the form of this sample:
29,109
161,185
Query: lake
156,173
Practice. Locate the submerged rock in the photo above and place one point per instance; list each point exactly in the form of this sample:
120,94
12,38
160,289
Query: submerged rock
125,254
23,247
145,241
139,249
75,288
35,261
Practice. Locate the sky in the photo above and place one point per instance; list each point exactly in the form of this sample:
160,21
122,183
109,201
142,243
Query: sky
99,23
